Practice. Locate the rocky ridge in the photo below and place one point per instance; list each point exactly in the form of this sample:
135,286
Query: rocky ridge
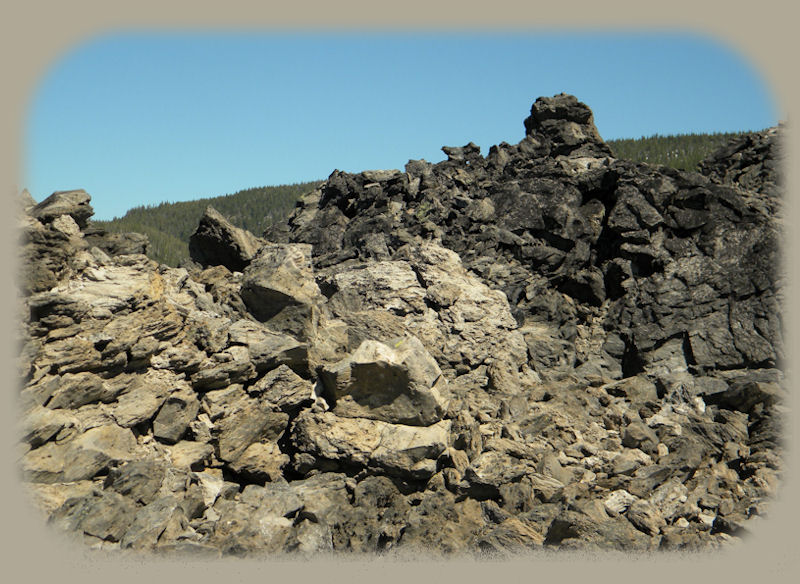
545,347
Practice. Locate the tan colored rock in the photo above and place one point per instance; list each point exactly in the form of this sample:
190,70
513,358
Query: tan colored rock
186,454
261,461
248,421
646,517
402,450
81,458
398,382
283,389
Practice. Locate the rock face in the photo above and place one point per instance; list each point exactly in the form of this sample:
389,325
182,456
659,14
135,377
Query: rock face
543,347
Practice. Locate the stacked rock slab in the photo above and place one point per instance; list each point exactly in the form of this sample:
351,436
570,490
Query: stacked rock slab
543,348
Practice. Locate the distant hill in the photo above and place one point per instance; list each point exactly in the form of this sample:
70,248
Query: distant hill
682,151
169,225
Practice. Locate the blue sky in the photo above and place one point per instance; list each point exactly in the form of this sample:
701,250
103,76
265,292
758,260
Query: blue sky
137,119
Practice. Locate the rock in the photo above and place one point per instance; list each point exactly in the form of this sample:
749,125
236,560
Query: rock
491,469
115,244
639,435
74,204
544,347
574,529
398,382
646,517
217,242
279,287
405,451
141,398
248,421
81,458
137,480
260,462
41,424
104,515
283,389
151,523
618,501
267,349
439,524
186,454
79,389
173,419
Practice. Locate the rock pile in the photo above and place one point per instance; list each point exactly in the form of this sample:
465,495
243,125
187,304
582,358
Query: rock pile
545,347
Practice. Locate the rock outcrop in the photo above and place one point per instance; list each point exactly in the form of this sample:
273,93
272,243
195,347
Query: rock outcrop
543,347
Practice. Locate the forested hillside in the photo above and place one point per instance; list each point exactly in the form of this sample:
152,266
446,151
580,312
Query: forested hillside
169,225
683,151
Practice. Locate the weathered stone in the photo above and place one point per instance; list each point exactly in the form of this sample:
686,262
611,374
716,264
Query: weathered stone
278,287
172,420
138,480
592,361
72,203
105,515
248,421
406,451
260,462
217,242
186,454
618,501
646,517
81,458
398,382
285,390
151,521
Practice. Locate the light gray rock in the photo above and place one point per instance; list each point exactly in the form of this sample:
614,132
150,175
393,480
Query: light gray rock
618,501
279,287
72,203
398,382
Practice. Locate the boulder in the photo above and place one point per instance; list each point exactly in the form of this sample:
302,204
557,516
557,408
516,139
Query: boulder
72,203
397,382
217,242
278,287
400,450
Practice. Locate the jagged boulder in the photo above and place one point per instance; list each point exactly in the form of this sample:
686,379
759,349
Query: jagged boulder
74,204
330,442
218,242
397,382
279,288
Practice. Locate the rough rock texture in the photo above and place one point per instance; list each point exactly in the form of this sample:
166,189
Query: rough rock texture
545,347
217,242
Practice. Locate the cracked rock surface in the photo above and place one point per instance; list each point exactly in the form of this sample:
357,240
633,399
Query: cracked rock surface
545,347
